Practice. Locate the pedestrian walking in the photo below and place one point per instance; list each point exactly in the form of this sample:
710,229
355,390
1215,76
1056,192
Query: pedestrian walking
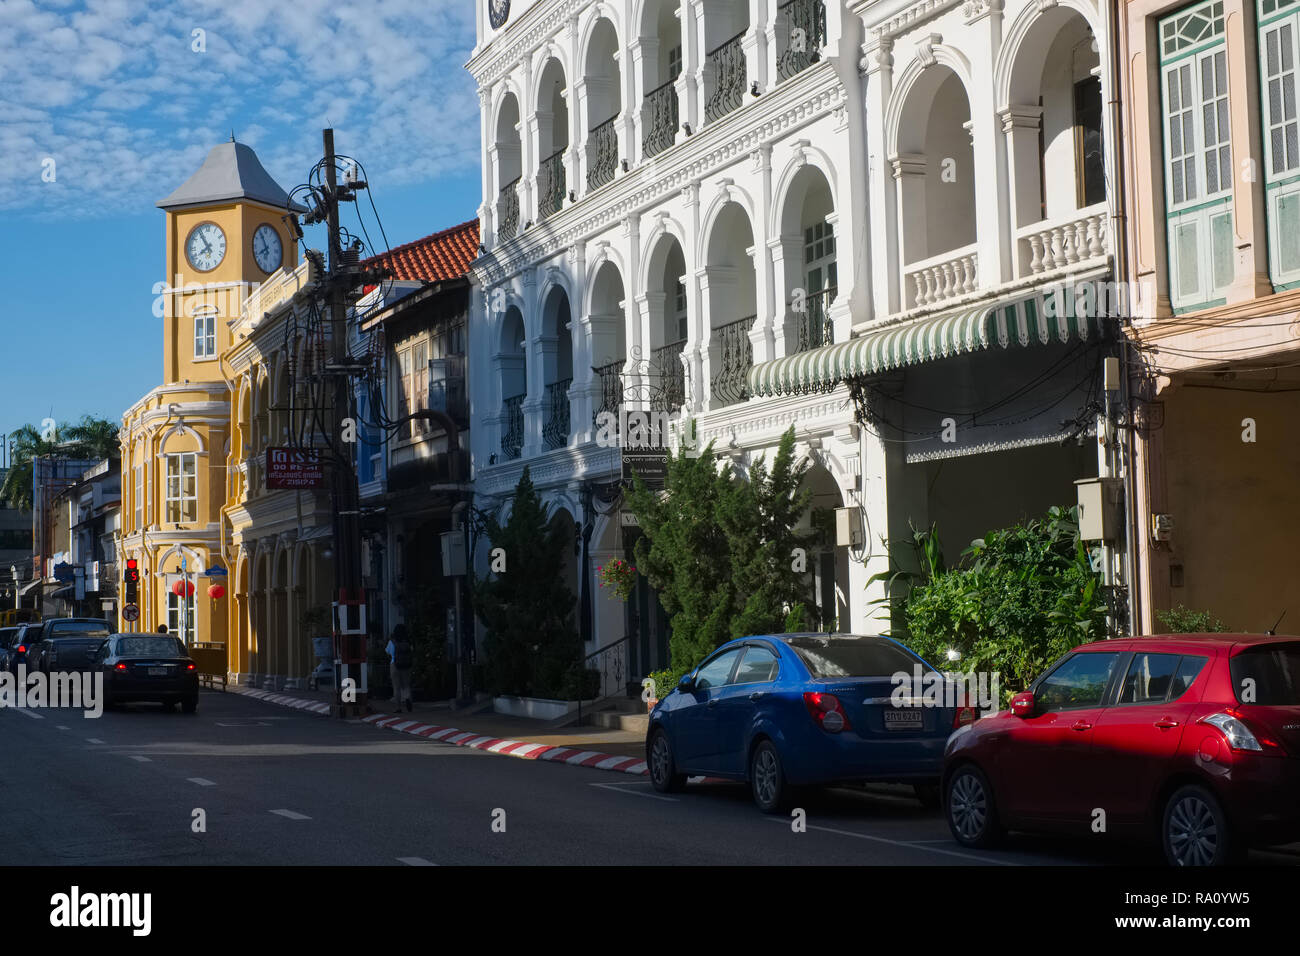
162,628
400,659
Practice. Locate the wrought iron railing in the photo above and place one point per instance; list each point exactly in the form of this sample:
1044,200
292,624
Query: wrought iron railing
512,431
666,366
815,326
551,185
735,358
805,22
556,429
508,210
603,150
611,389
605,671
661,118
728,62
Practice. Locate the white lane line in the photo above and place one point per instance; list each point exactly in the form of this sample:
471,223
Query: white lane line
93,740
139,759
635,793
28,713
415,861
290,815
61,727
903,843
201,781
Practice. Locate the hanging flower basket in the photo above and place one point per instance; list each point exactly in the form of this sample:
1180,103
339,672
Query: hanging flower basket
619,576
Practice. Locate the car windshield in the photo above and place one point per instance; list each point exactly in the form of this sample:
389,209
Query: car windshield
1268,675
852,656
149,647
78,629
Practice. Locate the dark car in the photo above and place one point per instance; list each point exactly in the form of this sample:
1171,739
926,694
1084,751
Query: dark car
787,710
65,644
7,638
1192,740
19,647
148,667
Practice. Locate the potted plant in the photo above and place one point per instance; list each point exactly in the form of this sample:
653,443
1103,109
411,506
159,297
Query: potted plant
619,576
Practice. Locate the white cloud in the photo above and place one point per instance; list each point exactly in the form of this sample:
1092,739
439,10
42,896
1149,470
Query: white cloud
117,96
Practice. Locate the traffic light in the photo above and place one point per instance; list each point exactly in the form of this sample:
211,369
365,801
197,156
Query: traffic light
132,579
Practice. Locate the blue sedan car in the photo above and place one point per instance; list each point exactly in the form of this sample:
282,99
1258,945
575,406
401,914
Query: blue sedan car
790,710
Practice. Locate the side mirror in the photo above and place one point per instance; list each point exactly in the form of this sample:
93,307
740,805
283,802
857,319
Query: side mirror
687,684
1022,705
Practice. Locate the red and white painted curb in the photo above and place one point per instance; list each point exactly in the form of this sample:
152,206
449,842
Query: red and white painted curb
511,748
461,738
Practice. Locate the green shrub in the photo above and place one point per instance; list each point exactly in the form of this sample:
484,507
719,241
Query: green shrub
1182,620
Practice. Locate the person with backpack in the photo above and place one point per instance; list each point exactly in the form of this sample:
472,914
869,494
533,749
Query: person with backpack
401,656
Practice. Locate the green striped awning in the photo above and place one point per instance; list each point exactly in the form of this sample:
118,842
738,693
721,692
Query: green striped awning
1048,316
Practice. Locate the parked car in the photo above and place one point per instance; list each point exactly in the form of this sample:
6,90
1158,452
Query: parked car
20,647
1191,740
66,644
788,710
148,667
7,636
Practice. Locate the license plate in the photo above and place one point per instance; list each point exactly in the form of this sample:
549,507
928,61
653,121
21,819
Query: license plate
157,672
904,719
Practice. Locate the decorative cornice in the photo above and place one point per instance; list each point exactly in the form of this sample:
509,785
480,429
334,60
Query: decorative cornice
904,20
512,45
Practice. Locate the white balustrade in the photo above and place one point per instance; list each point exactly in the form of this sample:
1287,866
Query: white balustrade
1052,246
950,275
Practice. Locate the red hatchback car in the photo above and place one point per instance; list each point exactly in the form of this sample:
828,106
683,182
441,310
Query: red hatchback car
1193,739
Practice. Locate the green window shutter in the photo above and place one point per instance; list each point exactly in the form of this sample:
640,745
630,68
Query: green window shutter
1221,250
1287,212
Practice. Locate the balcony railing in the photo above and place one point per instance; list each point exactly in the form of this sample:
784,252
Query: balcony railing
946,276
661,118
735,358
512,431
669,393
728,63
815,326
603,149
508,210
551,185
556,429
1045,247
805,22
610,378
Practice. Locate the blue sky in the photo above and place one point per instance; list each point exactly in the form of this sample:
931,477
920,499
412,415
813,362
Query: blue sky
126,99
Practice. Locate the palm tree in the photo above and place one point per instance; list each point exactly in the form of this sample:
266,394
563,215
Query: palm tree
89,438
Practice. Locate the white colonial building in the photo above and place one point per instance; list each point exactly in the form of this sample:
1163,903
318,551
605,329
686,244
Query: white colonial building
727,209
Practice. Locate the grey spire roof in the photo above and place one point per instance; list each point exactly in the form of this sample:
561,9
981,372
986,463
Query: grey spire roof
232,171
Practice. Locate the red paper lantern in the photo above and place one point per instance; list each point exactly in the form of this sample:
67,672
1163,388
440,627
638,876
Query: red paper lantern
216,591
183,589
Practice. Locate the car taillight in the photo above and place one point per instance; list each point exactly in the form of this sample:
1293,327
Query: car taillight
827,711
964,716
189,667
119,667
22,648
1242,737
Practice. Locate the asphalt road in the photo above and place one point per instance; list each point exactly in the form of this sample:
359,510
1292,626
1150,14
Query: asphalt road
280,787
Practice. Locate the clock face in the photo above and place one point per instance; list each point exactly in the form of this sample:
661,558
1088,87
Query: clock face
498,13
206,246
267,250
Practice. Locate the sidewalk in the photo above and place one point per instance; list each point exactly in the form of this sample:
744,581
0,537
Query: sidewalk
605,749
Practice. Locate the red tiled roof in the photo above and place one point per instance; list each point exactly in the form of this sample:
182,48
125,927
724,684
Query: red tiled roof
443,255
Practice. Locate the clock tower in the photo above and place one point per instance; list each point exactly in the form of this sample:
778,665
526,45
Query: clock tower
226,234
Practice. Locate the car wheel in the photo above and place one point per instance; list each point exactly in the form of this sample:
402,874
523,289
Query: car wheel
972,811
928,795
190,704
663,768
767,778
1195,830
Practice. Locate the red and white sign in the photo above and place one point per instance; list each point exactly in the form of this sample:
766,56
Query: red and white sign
293,468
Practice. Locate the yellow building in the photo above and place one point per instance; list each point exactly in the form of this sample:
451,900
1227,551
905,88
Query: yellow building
225,235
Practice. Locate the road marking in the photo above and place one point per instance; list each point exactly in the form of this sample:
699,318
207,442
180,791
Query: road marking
139,759
201,781
93,740
289,814
635,793
28,713
415,861
902,843
61,727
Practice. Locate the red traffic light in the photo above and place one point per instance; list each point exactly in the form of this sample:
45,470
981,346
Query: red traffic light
132,571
